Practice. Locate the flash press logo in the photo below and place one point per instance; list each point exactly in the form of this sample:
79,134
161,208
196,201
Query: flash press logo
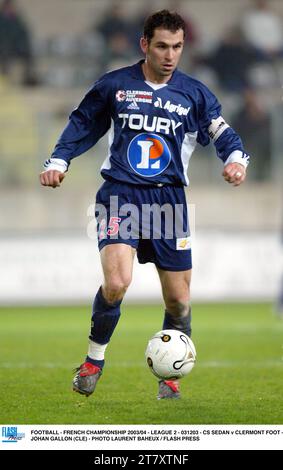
11,434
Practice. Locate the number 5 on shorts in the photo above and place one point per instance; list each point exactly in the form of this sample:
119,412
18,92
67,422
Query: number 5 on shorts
113,226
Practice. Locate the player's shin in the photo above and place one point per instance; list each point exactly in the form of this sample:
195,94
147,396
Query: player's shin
105,317
177,322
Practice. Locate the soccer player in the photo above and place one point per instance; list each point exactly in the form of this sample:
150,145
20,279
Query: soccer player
156,115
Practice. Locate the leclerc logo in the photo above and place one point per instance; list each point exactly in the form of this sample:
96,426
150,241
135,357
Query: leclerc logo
148,155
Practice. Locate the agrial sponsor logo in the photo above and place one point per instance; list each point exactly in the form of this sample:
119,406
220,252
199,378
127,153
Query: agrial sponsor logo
172,108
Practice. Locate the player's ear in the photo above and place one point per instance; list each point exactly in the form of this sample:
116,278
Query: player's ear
144,45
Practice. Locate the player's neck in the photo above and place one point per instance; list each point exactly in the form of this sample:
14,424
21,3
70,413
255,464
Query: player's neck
152,77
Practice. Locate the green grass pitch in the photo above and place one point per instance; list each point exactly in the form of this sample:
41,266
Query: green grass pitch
238,377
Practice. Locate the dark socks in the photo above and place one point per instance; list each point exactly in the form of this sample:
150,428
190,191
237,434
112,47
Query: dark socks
104,319
173,322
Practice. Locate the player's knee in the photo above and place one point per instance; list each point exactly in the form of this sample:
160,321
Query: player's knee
178,306
114,289
177,301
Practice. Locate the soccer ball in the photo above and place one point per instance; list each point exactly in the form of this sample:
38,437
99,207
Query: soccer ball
170,354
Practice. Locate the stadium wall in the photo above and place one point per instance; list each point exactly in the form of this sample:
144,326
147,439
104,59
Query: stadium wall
66,270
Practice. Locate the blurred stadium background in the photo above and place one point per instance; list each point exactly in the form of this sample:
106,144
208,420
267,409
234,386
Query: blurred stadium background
50,54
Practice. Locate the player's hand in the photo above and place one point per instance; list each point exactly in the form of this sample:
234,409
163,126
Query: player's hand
234,173
51,178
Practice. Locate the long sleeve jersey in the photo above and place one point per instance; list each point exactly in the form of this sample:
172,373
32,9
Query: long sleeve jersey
153,128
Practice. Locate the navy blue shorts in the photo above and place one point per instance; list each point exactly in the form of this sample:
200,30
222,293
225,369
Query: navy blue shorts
151,219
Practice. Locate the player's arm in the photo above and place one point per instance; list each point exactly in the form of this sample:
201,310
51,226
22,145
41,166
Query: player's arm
87,124
228,144
229,149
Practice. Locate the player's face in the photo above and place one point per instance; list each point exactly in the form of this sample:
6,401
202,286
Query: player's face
162,53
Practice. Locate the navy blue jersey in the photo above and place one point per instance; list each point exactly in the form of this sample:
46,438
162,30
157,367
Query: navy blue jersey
153,128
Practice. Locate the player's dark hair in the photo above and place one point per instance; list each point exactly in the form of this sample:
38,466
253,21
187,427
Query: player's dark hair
165,19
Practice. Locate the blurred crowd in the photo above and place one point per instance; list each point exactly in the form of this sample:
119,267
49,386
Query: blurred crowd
15,43
248,57
255,39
